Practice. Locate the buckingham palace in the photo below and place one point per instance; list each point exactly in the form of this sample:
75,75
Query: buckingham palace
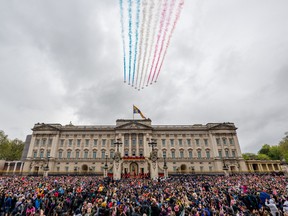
133,148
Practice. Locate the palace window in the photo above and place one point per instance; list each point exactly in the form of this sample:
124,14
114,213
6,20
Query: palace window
37,142
190,154
233,153
180,142
164,154
103,154
34,154
87,142
48,154
78,142
141,152
133,153
231,141
41,154
70,142
199,154
173,154
94,154
85,154
61,142
112,141
220,153
208,154
60,154
77,154
126,153
171,142
197,142
218,141
103,142
189,142
163,142
68,154
111,154
44,142
181,154
95,142
224,141
206,142
134,142
227,153
66,169
140,142
50,142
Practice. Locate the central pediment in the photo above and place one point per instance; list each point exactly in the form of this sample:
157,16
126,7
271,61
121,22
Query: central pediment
44,127
223,126
133,125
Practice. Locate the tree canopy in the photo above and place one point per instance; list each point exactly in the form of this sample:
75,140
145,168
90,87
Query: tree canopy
274,152
10,149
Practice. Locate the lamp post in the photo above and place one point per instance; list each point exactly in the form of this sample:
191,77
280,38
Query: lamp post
117,144
152,144
106,165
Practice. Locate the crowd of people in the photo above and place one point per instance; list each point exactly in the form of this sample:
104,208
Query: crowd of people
245,194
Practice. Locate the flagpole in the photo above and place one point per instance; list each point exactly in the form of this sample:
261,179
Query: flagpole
133,111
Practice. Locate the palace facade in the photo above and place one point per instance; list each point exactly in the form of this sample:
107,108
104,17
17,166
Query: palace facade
133,148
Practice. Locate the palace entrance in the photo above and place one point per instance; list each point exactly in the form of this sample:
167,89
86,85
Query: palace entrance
133,169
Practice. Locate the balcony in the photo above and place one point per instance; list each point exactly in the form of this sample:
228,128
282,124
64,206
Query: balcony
133,158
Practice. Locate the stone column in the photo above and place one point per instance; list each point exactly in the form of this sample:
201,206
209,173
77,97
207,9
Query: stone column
15,166
8,168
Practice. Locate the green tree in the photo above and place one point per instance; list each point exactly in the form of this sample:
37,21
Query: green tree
265,149
249,156
10,149
275,153
263,157
283,147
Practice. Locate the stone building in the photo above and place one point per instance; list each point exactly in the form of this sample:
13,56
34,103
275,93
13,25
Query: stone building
133,148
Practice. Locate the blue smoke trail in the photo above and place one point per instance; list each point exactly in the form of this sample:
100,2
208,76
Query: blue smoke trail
130,36
123,38
136,43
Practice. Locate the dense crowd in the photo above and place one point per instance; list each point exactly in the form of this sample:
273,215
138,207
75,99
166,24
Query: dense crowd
248,194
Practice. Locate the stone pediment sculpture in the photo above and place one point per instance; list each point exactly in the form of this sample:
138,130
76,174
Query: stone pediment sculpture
44,127
134,126
223,126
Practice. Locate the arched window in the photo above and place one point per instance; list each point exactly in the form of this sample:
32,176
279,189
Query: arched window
181,154
190,154
173,154
208,154
94,154
111,154
41,153
69,154
86,154
199,154
103,154
60,154
77,154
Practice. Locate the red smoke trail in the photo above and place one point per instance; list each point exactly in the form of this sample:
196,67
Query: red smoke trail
156,19
164,36
158,38
180,6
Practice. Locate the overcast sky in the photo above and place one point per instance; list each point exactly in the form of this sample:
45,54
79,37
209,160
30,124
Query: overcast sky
61,61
